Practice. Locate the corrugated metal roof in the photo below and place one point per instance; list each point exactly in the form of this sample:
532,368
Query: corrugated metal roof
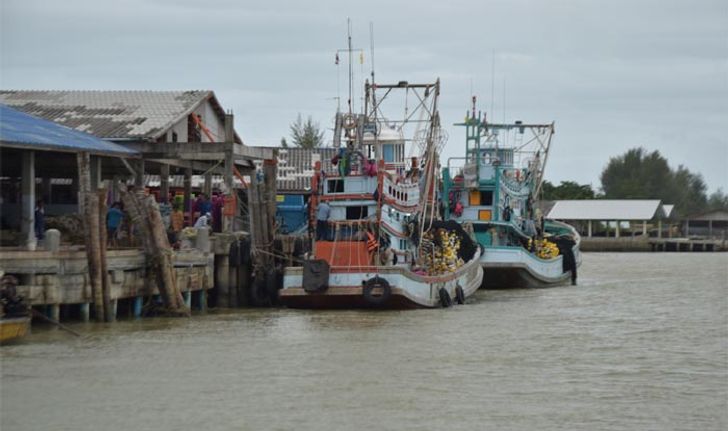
295,166
109,114
18,129
604,209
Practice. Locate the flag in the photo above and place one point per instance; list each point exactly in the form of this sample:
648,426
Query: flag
337,58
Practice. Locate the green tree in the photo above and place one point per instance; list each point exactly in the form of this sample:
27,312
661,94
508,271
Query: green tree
718,200
284,143
566,190
306,134
638,174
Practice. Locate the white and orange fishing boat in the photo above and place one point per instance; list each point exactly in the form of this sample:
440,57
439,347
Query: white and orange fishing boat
384,244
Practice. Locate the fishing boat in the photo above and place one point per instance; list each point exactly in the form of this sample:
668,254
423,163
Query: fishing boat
495,189
14,313
384,244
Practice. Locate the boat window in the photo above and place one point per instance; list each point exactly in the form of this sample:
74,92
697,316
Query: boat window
356,213
336,186
486,197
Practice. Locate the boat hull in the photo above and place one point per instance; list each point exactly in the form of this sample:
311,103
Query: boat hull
408,290
515,267
13,328
512,276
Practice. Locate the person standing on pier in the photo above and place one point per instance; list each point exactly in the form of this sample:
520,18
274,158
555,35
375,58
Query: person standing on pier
39,220
113,220
322,221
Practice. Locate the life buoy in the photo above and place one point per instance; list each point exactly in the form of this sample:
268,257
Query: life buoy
376,283
348,122
445,299
459,295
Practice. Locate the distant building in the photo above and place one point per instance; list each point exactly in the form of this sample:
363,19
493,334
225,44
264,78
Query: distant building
592,215
711,224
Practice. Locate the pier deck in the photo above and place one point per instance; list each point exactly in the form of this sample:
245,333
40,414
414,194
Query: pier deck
60,278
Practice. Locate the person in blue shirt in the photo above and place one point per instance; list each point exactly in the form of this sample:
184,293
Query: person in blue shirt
113,220
322,221
205,205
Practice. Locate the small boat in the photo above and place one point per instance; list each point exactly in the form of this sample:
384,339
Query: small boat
14,313
12,328
495,189
388,248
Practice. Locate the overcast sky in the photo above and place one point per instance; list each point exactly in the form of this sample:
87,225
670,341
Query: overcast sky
612,74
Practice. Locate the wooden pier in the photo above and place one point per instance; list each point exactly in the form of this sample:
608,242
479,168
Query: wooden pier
646,244
687,244
57,282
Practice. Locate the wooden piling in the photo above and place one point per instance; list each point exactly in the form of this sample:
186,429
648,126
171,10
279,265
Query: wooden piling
90,211
144,213
103,269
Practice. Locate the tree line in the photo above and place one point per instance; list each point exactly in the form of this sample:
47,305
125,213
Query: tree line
639,174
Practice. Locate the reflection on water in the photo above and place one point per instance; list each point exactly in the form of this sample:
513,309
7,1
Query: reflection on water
641,343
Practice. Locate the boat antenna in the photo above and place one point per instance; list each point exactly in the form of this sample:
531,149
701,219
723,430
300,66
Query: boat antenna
351,70
492,98
371,46
504,100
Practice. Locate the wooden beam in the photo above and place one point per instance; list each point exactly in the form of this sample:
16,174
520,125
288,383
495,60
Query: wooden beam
199,150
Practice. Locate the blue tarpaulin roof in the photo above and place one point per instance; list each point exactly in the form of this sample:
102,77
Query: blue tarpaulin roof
25,131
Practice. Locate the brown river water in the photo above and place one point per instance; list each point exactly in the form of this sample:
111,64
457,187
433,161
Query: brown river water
640,344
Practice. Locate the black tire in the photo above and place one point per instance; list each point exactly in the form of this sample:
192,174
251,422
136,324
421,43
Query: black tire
445,299
459,295
374,283
234,254
273,283
259,292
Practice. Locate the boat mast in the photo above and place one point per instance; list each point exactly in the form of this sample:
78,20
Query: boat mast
429,207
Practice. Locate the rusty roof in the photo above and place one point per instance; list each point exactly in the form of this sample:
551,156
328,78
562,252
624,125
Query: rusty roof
112,115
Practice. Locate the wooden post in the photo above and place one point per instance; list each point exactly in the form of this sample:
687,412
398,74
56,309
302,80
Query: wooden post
188,196
144,213
229,221
589,228
139,178
616,231
207,185
659,228
28,200
109,314
644,227
91,217
164,183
